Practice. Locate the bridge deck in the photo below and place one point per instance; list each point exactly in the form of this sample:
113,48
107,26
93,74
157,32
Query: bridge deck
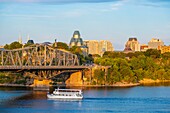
8,68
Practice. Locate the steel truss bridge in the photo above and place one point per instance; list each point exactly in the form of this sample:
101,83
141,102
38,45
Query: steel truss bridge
41,60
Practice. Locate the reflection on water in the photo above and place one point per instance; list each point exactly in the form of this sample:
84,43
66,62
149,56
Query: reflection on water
106,99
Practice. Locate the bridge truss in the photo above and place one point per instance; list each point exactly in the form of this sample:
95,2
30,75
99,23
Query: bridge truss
38,55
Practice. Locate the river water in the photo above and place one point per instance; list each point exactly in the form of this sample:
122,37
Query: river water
140,99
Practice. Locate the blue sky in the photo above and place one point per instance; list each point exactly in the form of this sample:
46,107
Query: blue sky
113,20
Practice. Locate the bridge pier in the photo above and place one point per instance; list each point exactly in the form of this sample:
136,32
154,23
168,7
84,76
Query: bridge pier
41,84
76,79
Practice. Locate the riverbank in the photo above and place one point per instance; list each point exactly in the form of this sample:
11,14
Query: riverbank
150,81
118,84
114,85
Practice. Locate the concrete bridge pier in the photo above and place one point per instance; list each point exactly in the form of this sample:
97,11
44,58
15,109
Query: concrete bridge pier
41,84
76,79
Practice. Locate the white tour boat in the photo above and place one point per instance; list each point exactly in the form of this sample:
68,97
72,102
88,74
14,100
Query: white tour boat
66,94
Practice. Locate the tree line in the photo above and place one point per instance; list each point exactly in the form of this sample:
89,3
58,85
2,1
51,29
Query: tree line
133,67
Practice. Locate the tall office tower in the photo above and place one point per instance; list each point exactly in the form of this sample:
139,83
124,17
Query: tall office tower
132,44
76,40
155,43
92,46
98,47
105,45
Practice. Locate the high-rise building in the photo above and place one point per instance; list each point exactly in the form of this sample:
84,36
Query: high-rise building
98,47
92,46
132,44
105,45
155,43
76,40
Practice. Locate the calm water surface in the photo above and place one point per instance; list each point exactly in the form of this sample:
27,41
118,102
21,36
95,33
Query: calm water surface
141,99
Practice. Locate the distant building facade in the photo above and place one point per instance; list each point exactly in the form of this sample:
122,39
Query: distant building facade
98,47
92,46
164,49
155,43
143,47
30,42
76,40
132,45
105,45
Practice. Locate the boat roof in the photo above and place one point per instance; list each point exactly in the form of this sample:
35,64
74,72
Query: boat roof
69,89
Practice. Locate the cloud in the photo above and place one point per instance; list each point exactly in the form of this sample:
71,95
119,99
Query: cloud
157,3
150,5
116,6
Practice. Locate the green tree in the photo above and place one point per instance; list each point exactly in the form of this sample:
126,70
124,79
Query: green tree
113,75
99,75
154,53
61,45
138,63
112,54
76,50
6,46
136,54
13,45
166,55
28,44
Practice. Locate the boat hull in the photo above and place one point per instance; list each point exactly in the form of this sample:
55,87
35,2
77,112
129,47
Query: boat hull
52,96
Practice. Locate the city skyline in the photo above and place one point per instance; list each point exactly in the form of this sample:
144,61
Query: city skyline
113,20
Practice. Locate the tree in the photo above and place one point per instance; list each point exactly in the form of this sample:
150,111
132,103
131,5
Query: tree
13,45
154,53
28,44
95,55
138,63
166,55
76,50
99,75
6,46
61,45
136,54
89,59
112,54
113,75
